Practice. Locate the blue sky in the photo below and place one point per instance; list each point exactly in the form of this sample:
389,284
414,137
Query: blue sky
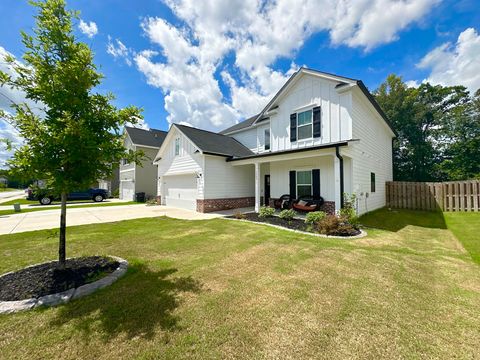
212,63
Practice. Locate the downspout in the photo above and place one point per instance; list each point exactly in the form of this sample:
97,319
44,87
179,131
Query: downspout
342,186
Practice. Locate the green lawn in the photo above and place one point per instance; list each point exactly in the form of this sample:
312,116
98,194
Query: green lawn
43,208
466,227
225,289
22,201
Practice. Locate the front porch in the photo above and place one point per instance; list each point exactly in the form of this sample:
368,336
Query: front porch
323,172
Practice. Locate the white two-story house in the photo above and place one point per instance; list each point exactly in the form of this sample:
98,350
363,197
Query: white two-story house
137,178
320,135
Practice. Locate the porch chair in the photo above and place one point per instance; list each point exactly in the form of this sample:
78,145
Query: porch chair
308,203
284,202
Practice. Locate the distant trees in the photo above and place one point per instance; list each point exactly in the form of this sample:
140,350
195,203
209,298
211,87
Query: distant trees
438,127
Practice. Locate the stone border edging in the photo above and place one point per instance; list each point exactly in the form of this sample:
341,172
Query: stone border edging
7,307
361,235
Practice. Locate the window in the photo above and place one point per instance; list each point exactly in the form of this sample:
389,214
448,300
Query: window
177,146
372,182
304,183
304,125
267,139
124,162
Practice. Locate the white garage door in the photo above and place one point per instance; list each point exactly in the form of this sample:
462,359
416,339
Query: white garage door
181,191
127,190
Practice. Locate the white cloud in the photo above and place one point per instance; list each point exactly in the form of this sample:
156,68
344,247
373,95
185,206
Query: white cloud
8,132
455,64
256,33
118,50
8,96
90,29
140,124
412,83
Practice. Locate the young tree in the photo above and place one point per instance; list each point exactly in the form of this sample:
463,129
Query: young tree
76,137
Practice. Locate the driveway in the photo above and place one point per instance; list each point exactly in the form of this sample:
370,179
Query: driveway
10,195
50,219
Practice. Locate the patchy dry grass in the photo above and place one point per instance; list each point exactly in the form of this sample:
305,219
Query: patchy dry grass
224,289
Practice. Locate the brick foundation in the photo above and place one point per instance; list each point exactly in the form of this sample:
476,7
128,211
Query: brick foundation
328,206
209,205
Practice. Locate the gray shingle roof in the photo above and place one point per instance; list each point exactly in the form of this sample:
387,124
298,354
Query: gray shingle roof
152,137
241,125
213,143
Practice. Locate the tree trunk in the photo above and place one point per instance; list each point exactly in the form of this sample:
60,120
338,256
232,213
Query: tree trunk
63,230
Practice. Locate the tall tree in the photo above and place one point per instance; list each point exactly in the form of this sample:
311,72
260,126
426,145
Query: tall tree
77,137
462,149
433,122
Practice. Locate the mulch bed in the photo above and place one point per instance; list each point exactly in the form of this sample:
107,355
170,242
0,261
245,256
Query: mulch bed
46,279
294,224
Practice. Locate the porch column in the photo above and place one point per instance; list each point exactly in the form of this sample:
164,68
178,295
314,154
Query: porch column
336,171
257,187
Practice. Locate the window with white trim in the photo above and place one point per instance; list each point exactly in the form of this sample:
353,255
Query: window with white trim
304,183
267,139
177,146
304,125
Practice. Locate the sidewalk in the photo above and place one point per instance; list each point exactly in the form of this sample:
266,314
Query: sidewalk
49,219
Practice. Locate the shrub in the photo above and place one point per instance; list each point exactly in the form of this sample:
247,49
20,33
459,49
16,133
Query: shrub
266,211
116,193
333,225
239,215
287,214
314,217
349,212
350,216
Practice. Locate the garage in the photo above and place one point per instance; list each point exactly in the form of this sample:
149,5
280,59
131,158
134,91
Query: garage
181,191
127,190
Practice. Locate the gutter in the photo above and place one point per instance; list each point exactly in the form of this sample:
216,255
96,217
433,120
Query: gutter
283,152
342,182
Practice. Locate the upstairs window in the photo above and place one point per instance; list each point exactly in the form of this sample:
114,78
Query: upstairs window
124,162
267,139
304,125
177,146
372,182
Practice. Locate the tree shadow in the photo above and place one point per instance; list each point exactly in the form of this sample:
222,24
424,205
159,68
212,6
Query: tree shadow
139,304
396,219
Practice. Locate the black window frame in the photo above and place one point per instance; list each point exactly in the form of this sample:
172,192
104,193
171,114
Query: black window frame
372,182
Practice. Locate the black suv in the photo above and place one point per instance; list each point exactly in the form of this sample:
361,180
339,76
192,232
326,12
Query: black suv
45,198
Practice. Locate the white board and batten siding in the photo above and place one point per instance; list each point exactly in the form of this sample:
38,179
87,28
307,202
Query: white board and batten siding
183,167
371,154
254,137
308,92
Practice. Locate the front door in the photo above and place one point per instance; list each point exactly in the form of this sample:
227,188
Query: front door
267,190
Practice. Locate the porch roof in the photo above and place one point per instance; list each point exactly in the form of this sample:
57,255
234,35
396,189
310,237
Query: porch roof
283,152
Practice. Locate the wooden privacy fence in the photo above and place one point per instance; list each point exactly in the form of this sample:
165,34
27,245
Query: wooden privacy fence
445,196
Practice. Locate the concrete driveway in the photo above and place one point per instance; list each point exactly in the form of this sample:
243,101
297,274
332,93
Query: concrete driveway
50,219
10,195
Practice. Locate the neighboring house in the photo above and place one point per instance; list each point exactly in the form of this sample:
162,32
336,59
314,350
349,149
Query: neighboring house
321,135
135,178
112,184
3,181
